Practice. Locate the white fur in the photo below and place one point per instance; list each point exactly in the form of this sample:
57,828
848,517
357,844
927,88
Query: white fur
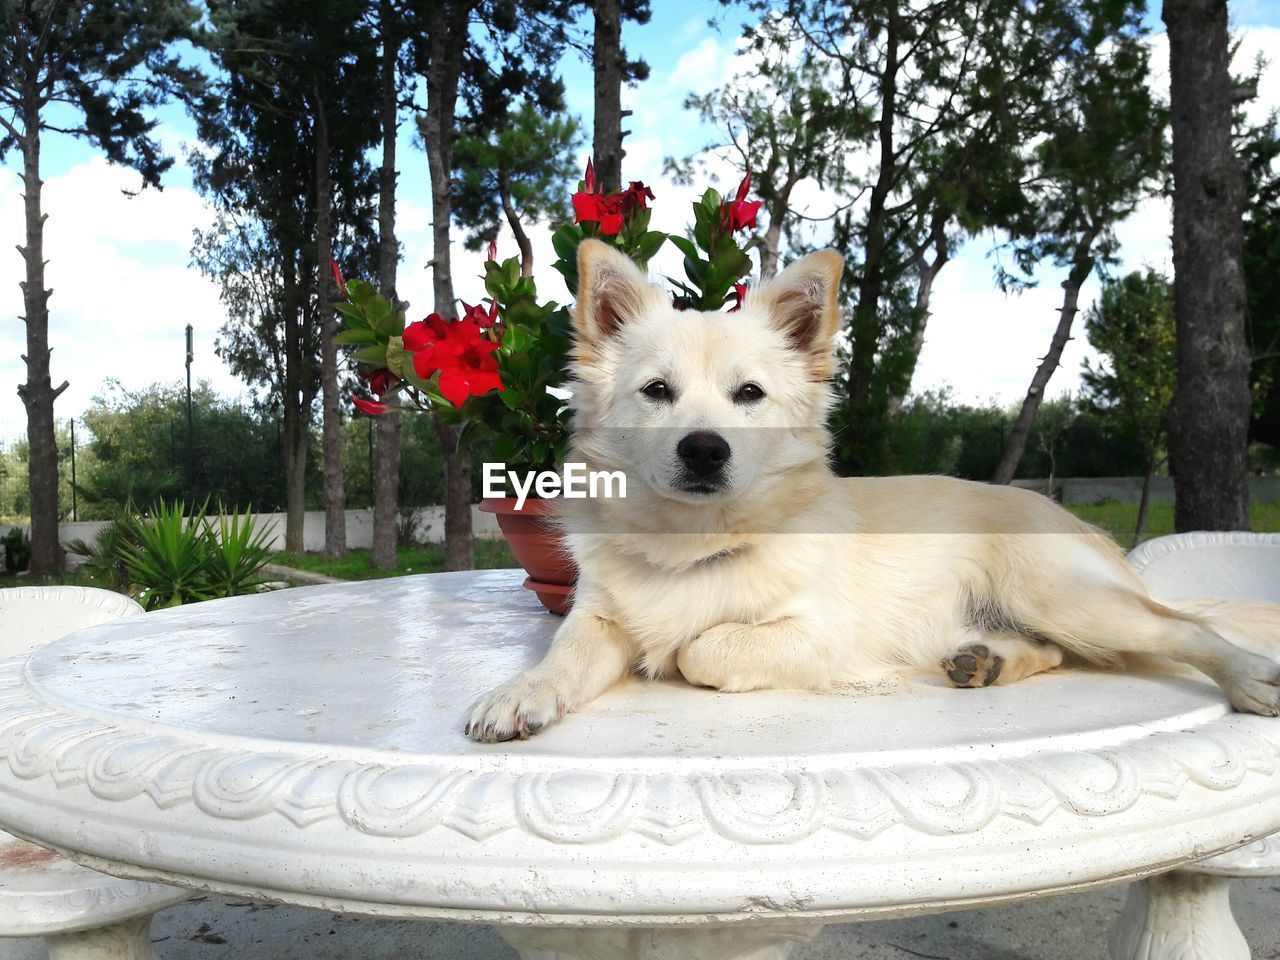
791,577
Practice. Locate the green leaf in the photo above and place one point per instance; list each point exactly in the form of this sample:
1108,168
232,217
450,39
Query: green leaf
375,353
361,335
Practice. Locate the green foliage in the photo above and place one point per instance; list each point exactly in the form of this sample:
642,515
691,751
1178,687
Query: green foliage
1260,148
1132,326
138,451
710,277
236,552
105,64
527,160
15,490
104,558
17,549
171,560
932,434
166,565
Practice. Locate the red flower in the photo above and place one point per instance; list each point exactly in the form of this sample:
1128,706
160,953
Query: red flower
493,249
482,318
611,212
337,278
633,198
740,213
739,294
371,407
459,351
381,381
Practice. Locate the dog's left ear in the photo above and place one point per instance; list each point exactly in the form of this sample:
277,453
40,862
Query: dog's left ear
801,301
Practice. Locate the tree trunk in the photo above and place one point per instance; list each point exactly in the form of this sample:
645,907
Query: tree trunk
386,475
926,272
770,244
517,228
295,413
862,418
1016,445
609,64
448,40
335,514
1208,439
1144,501
38,393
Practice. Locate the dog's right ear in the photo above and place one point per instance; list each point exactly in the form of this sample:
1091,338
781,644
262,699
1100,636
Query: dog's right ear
611,291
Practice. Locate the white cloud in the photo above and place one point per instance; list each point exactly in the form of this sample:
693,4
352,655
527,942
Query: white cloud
122,290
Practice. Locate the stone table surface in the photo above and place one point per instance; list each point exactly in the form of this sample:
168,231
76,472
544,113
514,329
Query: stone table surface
306,747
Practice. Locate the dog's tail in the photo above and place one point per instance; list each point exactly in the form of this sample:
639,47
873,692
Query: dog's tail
1251,624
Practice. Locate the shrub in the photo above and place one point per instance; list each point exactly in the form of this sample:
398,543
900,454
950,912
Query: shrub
17,550
167,559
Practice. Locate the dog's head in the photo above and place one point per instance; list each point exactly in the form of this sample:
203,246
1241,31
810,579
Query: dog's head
703,407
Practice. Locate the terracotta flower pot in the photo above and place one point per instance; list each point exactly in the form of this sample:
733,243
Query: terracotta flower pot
538,548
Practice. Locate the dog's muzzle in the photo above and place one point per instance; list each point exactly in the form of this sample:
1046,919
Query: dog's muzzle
703,455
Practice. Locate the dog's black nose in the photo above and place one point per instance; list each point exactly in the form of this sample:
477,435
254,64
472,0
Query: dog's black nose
703,452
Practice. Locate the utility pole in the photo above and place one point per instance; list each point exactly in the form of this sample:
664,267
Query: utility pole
73,471
190,433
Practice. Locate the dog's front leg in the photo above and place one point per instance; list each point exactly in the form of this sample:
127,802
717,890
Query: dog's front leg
588,655
788,653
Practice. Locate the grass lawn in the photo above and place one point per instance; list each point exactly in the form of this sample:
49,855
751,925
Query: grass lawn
69,577
1119,519
358,564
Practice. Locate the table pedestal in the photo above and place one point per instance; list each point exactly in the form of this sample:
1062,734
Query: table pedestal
767,941
128,940
1179,915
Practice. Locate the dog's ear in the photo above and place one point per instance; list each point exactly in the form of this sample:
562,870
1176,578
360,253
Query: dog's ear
801,301
611,291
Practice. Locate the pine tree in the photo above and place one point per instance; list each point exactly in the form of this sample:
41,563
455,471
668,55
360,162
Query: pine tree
111,64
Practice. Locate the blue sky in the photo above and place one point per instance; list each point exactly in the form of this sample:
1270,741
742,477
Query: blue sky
123,288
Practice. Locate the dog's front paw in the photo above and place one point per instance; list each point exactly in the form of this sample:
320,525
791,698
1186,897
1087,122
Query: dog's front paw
516,710
717,659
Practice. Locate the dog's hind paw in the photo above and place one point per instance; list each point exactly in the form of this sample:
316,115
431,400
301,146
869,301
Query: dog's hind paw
1255,690
973,666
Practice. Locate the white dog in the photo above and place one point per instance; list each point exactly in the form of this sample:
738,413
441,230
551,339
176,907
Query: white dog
740,561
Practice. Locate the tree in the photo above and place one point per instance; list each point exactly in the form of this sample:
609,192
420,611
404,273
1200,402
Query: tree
783,126
137,451
110,64
300,76
1103,152
518,54
612,70
386,485
1261,149
1208,438
935,104
1132,326
520,170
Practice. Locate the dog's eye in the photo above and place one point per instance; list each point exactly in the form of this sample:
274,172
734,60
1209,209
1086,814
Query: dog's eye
657,390
748,393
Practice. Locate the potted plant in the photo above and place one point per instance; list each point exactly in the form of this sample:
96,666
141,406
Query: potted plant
500,368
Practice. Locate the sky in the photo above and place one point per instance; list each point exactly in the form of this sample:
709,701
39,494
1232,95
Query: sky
124,289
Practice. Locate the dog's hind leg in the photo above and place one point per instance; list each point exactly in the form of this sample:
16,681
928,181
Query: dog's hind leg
787,653
1099,620
999,657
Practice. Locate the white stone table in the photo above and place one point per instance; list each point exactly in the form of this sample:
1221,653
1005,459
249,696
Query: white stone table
306,747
